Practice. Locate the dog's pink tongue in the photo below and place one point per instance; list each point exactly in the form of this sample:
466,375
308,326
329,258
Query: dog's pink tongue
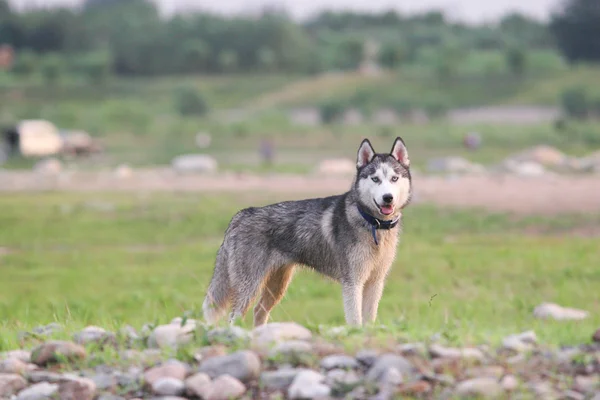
387,210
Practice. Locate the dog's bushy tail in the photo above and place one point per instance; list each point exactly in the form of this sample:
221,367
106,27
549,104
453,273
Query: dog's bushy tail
217,297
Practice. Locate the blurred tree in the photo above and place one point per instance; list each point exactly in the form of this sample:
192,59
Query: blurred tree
228,61
392,55
516,59
52,68
577,29
25,64
189,102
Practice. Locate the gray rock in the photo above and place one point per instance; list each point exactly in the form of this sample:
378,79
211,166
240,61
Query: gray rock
15,366
391,377
440,351
386,361
243,365
587,384
95,334
77,389
105,382
21,355
226,387
57,351
572,395
339,361
170,369
44,376
275,332
412,349
229,335
291,351
308,385
481,387
279,379
39,391
341,379
367,357
559,313
110,397
520,342
198,385
11,384
488,371
168,386
509,383
543,390
171,335
194,163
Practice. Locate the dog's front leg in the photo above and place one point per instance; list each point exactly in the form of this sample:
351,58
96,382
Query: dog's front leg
352,294
371,295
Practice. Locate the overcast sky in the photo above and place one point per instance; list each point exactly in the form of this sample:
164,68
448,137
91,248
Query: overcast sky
466,10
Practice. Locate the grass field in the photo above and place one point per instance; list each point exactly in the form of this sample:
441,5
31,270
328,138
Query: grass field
111,260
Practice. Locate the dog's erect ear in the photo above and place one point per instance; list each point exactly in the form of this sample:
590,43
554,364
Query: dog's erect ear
400,153
365,154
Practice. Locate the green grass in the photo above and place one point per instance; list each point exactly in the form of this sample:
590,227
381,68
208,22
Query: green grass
115,259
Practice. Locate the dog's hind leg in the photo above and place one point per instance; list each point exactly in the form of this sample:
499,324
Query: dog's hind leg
250,278
219,292
273,291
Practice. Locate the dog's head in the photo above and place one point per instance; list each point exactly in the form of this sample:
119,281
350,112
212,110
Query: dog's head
383,180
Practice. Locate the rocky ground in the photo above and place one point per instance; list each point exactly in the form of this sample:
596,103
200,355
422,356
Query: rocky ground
185,360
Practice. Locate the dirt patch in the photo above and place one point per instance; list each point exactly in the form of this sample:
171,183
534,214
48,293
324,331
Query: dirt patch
553,194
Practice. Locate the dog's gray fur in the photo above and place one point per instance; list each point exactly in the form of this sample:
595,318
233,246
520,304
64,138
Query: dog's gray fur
263,245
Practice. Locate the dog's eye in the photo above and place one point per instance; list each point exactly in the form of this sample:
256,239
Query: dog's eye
375,179
394,179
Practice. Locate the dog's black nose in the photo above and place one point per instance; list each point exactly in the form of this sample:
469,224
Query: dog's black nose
388,198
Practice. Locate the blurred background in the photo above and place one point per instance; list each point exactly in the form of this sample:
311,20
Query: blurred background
498,102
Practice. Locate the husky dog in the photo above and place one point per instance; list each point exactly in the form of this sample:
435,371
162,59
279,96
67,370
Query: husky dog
350,238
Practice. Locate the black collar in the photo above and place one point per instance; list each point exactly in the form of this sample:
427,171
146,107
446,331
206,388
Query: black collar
377,223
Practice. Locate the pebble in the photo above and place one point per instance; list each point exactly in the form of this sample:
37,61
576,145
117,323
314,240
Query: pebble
14,366
291,351
275,332
11,384
596,336
170,369
520,342
171,335
77,389
559,313
339,361
57,351
482,387
167,386
226,387
39,391
308,385
198,385
440,351
279,379
367,357
95,334
490,371
243,365
386,361
337,378
509,383
229,335
21,355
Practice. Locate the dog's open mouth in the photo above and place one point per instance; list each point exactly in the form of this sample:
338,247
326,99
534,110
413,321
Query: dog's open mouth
386,209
